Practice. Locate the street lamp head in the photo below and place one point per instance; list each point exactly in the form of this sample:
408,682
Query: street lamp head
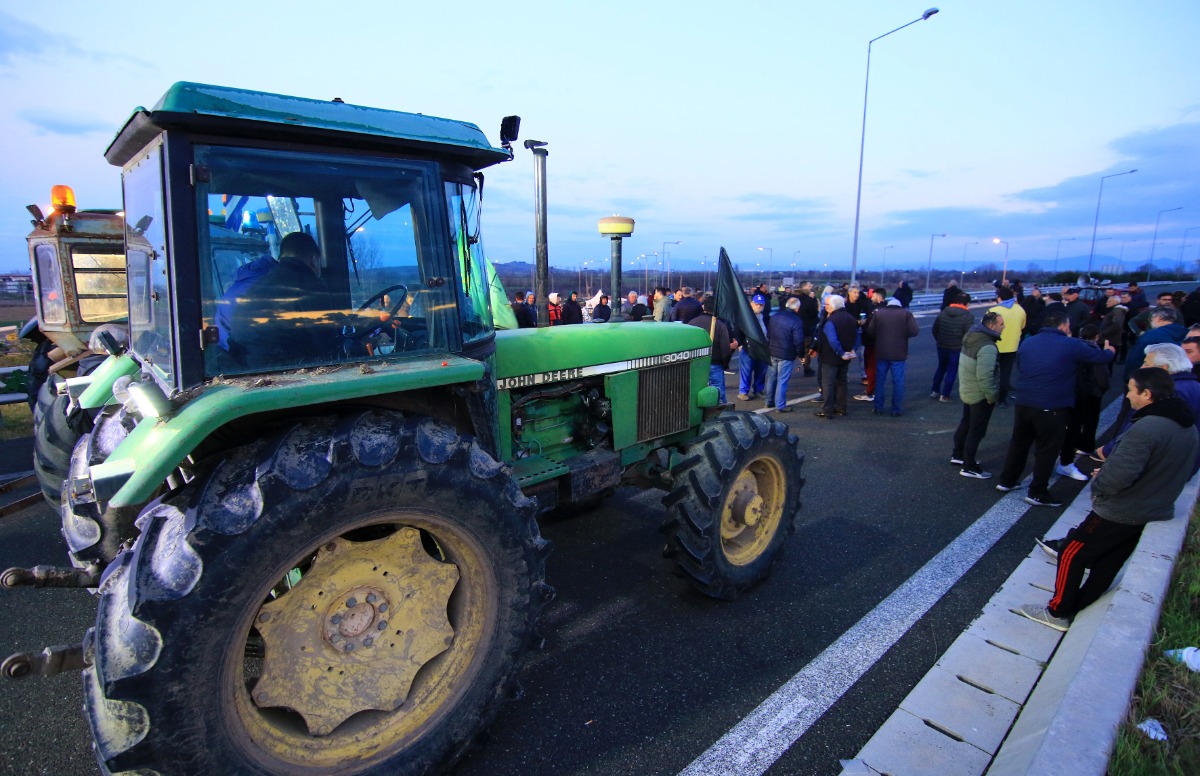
996,240
925,16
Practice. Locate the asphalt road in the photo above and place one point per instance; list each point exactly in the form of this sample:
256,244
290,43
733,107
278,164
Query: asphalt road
639,675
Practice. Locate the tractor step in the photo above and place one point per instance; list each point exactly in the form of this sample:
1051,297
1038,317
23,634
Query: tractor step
51,661
50,576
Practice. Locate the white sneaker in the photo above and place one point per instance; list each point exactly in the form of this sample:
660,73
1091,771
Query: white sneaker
1070,471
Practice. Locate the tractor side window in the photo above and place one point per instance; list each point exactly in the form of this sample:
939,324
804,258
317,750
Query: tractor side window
312,259
99,283
50,292
150,327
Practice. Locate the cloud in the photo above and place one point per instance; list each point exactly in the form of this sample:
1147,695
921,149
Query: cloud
1167,160
53,122
787,212
21,41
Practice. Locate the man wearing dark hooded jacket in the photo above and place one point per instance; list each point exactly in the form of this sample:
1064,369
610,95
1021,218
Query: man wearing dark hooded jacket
949,328
571,311
1137,484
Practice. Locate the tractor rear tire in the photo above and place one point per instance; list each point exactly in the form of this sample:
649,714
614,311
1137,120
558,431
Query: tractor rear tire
352,595
734,503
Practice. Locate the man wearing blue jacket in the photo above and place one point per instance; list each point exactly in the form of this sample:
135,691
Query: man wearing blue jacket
1045,396
785,338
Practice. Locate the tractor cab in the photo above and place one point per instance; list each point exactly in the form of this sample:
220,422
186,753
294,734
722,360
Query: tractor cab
78,271
284,234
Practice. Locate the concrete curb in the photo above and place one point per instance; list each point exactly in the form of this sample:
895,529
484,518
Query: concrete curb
1069,725
1011,696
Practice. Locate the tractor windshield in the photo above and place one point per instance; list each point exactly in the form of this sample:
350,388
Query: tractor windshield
311,260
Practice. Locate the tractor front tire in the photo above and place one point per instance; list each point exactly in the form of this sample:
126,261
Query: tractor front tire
353,595
734,503
53,440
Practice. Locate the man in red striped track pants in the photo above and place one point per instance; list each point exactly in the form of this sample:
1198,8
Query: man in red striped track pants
1137,484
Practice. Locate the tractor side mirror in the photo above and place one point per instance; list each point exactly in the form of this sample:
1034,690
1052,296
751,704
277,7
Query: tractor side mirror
510,128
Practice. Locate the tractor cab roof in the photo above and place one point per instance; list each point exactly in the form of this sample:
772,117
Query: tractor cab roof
244,113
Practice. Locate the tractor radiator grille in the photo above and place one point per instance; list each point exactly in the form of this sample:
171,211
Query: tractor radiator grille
664,398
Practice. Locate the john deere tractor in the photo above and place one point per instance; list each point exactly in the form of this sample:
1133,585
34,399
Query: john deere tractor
78,262
309,503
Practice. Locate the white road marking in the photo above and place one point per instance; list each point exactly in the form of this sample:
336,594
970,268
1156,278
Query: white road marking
798,400
756,742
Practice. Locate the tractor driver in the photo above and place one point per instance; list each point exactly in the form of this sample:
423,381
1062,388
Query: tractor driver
273,322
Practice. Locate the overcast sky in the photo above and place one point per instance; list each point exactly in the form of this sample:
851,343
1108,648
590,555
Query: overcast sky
710,123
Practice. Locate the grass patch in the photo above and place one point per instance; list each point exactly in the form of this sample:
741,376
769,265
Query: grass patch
16,421
1168,691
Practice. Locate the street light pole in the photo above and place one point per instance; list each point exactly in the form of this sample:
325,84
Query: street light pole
770,264
962,276
929,266
998,241
1154,242
1121,258
1183,248
862,143
668,255
1096,222
883,269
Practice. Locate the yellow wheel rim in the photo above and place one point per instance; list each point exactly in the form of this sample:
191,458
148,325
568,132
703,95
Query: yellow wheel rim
376,642
752,511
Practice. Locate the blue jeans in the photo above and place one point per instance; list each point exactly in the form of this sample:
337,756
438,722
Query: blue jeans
716,378
896,369
778,375
752,374
947,370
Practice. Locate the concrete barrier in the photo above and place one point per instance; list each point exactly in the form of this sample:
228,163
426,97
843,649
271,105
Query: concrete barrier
1069,724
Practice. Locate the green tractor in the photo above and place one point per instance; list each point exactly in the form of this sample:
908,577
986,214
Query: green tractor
309,503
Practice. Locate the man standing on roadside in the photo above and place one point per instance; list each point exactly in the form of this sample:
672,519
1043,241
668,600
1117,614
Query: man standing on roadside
630,302
687,308
810,313
949,328
525,319
1137,484
876,298
978,387
1191,347
1014,323
858,305
662,305
835,349
950,295
785,338
1044,401
752,373
1078,311
892,326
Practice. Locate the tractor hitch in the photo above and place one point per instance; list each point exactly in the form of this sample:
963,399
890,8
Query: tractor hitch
51,661
50,576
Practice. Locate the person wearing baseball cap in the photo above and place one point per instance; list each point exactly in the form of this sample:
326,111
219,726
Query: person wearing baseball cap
752,373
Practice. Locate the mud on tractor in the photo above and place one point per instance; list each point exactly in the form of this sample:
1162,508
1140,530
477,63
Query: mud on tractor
309,502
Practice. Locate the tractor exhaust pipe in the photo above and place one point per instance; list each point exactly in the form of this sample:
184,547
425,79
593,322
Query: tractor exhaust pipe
541,277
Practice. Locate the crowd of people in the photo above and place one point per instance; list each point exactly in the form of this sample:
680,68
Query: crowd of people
1065,353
